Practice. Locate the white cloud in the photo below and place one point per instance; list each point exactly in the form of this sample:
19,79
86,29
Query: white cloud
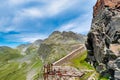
27,13
32,39
58,6
25,37
51,8
83,22
79,25
67,27
16,2
33,12
4,21
13,3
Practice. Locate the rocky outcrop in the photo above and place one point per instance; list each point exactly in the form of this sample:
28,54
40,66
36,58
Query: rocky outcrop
101,4
104,36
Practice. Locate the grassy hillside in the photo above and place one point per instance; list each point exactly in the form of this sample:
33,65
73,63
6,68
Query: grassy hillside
53,52
14,66
15,70
26,62
80,63
59,44
7,53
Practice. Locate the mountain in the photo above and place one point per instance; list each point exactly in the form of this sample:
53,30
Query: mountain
29,48
33,48
59,44
22,63
5,49
16,66
22,48
65,37
103,42
26,61
7,53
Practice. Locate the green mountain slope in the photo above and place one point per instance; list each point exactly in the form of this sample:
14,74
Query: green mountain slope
59,44
31,48
14,66
7,53
26,61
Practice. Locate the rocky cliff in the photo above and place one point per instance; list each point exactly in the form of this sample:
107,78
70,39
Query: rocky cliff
103,41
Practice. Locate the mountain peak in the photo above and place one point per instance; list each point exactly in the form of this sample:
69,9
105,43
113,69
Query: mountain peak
65,37
37,42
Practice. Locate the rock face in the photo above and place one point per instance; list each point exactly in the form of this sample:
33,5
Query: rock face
101,4
103,41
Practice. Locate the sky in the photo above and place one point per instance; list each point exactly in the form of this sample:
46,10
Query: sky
24,21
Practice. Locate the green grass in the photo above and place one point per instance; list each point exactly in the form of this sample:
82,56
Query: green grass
86,76
14,66
15,70
11,71
80,63
104,77
7,54
6,57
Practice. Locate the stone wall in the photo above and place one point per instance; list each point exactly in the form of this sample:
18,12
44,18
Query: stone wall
69,56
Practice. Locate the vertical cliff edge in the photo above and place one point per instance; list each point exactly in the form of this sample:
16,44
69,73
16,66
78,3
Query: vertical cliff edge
103,43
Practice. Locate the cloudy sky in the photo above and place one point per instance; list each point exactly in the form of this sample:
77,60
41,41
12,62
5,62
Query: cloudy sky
24,21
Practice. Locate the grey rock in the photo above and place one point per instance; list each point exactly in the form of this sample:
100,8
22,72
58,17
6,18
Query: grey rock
117,75
104,33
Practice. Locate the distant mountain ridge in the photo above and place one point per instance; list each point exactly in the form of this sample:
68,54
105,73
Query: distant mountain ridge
56,46
56,37
7,53
29,48
59,44
64,37
28,59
